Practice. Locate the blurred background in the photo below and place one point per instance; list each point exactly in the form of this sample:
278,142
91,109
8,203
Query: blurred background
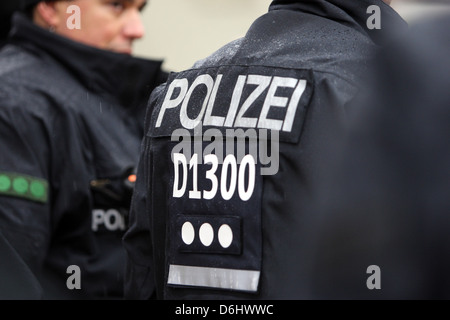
184,31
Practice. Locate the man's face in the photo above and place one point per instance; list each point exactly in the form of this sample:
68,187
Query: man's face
106,24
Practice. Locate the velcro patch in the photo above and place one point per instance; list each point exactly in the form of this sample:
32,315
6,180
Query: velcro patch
232,97
209,234
23,186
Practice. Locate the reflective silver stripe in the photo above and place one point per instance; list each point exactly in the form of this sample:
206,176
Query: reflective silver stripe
240,280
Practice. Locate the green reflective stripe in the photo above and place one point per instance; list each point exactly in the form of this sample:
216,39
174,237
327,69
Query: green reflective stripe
23,186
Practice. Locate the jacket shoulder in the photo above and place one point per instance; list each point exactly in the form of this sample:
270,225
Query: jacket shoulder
34,83
220,56
293,39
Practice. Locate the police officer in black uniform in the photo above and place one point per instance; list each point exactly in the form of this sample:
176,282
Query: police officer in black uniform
71,123
233,151
383,232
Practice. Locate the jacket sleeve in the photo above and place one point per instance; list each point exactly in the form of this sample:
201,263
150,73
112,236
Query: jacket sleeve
44,205
139,276
18,282
24,183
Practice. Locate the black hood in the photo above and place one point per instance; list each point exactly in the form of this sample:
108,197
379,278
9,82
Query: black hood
104,72
349,12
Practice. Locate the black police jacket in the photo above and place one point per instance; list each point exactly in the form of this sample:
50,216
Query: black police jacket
72,120
233,150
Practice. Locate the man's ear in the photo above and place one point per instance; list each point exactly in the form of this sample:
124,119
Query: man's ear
47,15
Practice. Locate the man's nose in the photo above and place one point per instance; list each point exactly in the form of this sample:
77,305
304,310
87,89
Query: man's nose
134,28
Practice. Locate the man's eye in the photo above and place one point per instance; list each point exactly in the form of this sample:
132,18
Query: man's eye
142,7
117,6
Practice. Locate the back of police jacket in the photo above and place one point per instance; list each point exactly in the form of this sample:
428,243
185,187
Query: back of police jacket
233,149
71,123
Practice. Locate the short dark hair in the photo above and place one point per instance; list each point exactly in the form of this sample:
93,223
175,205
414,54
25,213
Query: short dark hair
29,6
29,11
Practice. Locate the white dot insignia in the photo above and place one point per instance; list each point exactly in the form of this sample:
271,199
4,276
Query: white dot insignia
206,234
225,236
188,233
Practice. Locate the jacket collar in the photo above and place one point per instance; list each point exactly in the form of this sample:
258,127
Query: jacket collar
349,12
126,78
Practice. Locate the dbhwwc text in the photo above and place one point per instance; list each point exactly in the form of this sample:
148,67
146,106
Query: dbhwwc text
246,309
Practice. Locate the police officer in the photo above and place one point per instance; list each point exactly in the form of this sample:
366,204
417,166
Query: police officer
72,106
233,152
383,231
